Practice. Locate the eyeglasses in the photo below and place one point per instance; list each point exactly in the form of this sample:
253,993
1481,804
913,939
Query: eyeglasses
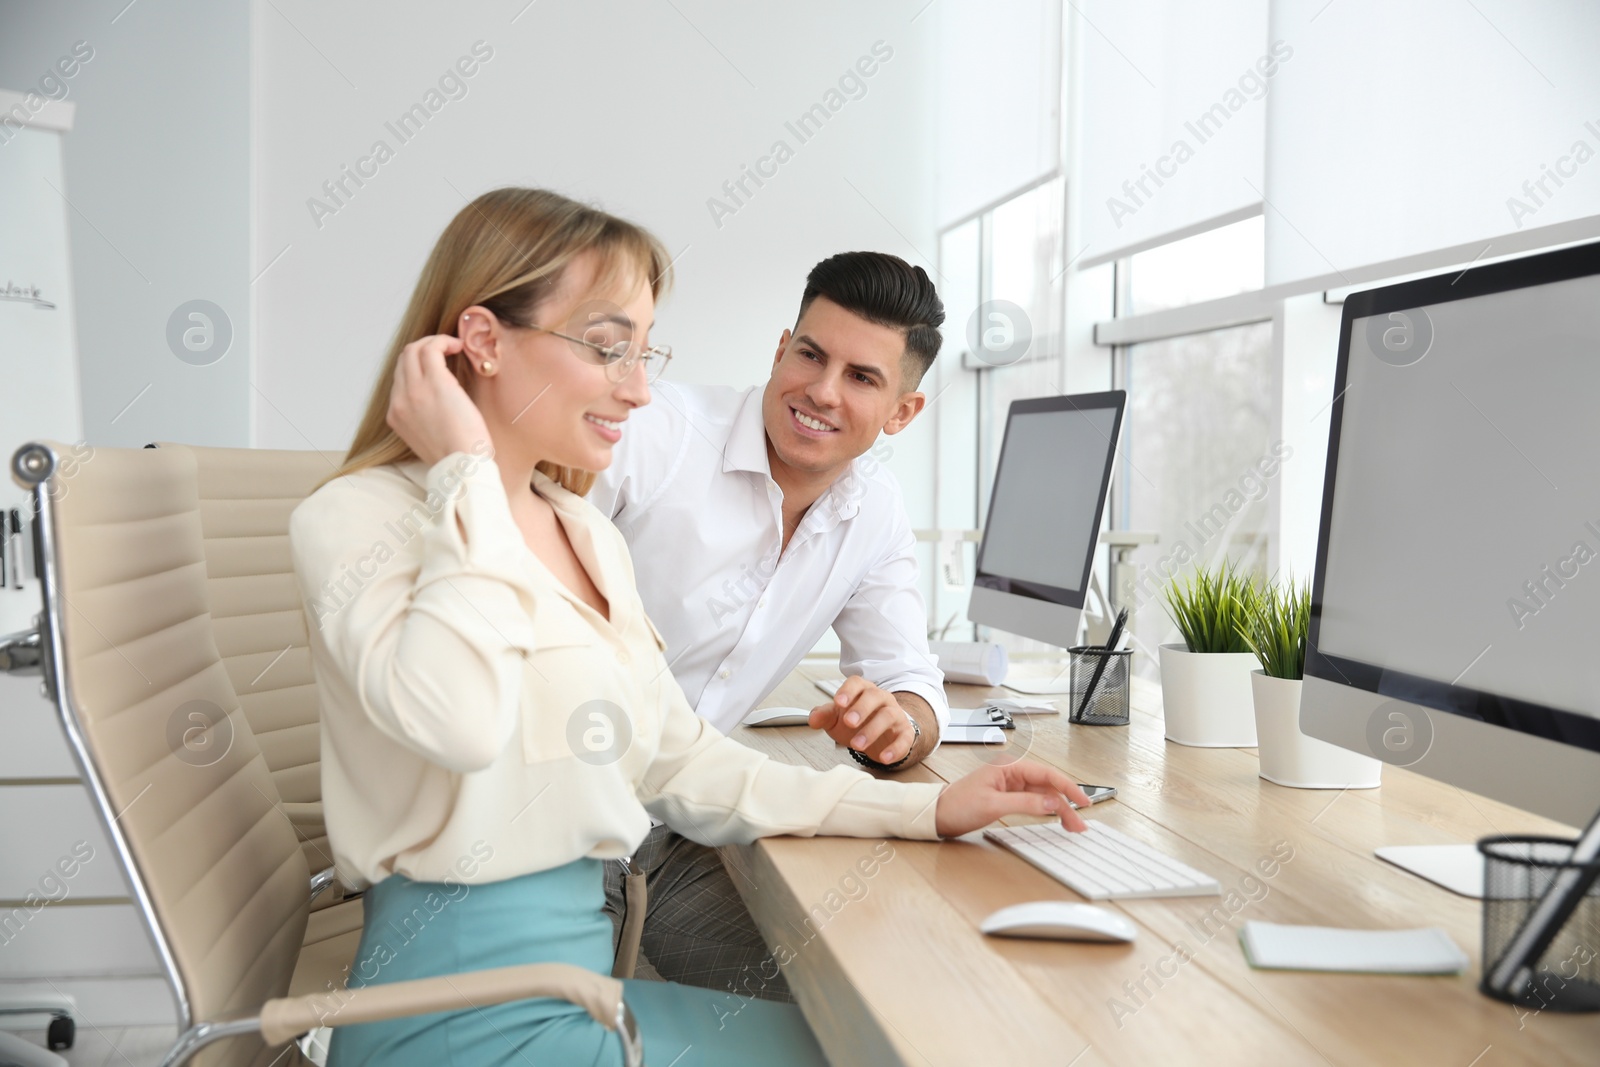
620,357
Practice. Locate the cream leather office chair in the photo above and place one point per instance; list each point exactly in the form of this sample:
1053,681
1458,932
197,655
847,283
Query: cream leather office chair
246,496
183,790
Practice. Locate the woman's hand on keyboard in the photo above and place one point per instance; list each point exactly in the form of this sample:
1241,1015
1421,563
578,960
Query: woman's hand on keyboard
1021,788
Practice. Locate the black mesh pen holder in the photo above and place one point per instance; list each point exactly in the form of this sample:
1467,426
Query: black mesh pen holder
1517,872
1108,706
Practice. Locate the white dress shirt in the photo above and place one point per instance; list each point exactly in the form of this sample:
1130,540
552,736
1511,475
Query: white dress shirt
481,722
690,488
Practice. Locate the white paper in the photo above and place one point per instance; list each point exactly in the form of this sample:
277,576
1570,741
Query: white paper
971,662
1039,679
972,735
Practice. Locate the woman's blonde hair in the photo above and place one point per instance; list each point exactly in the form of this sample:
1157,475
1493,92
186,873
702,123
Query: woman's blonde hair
507,250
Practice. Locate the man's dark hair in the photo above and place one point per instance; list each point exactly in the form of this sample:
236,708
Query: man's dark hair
886,290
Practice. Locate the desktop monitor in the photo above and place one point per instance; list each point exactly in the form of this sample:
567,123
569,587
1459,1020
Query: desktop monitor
1044,515
1455,618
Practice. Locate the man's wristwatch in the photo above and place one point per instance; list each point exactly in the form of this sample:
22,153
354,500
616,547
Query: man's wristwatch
867,761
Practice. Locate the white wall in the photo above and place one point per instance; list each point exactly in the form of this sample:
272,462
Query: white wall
157,177
1171,119
1398,129
633,106
154,191
38,349
999,96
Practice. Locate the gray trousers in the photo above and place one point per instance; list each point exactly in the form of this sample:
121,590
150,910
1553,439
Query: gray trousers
696,930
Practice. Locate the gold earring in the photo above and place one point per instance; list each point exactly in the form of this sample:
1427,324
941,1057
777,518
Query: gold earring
486,366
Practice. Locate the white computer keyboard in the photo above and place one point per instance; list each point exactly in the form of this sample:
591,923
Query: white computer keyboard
828,685
1102,863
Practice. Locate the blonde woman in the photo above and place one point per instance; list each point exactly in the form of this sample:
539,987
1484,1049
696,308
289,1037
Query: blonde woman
497,715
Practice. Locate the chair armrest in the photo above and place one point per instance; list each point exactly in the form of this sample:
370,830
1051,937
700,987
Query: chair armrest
322,880
601,996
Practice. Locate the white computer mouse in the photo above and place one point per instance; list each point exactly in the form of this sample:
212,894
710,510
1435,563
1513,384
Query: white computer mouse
1059,920
778,717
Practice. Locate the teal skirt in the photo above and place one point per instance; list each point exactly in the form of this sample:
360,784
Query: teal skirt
425,929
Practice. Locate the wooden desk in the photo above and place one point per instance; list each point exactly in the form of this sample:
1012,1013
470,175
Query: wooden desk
891,968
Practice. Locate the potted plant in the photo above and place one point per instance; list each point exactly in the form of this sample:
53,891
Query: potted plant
1274,628
1205,681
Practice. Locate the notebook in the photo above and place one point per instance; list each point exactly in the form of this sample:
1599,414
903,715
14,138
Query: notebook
1428,950
1028,705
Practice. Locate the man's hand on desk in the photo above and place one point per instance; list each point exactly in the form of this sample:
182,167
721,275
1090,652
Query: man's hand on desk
874,722
1020,788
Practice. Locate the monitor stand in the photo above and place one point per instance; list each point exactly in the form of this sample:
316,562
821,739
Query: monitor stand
1050,680
1458,868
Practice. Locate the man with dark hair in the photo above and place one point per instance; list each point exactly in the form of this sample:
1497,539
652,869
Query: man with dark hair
757,521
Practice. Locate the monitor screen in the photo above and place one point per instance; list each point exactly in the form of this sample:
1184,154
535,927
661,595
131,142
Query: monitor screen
1461,540
1049,488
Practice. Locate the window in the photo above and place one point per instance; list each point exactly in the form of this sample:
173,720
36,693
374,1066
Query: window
1021,356
1001,277
1022,266
952,395
1217,263
1199,424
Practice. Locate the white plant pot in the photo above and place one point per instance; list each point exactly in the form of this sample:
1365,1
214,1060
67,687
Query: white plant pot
1289,757
1205,697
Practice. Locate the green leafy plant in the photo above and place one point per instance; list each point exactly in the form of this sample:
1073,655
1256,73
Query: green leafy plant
1275,629
1211,607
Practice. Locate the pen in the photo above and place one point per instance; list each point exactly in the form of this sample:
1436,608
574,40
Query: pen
5,548
1100,667
16,548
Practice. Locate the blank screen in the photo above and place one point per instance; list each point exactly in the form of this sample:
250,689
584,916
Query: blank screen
1046,496
1464,536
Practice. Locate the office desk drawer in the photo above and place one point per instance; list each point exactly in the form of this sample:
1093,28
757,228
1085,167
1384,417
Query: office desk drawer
54,847
75,940
35,746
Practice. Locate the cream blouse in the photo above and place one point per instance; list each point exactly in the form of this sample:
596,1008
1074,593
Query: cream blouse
481,722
